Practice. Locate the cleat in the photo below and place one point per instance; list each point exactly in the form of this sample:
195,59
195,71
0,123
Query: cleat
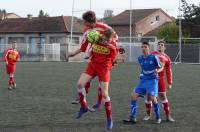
131,120
158,121
81,112
96,106
109,124
91,109
147,118
170,119
75,101
9,87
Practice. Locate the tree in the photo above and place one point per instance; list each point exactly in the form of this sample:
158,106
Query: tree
43,14
191,12
191,18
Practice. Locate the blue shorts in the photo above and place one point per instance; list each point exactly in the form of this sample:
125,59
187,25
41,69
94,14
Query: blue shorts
147,87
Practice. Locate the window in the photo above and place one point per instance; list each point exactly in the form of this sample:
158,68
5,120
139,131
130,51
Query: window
157,18
61,40
17,39
2,40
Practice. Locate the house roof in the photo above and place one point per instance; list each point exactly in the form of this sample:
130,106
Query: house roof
60,24
137,15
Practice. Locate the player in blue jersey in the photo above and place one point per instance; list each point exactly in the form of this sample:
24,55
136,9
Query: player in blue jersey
148,85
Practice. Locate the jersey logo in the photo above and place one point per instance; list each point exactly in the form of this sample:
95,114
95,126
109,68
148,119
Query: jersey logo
100,49
12,56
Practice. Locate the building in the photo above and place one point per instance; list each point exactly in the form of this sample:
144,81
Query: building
143,21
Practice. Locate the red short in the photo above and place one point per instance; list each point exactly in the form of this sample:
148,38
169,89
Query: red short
161,85
102,71
10,68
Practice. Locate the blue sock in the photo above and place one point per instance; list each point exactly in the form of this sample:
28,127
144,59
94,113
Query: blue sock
133,109
157,110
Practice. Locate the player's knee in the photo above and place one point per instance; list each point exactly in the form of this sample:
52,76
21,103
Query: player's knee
80,85
162,96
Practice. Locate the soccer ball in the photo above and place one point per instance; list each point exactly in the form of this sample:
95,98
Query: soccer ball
93,36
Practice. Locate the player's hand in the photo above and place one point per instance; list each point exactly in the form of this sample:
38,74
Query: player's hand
6,63
169,86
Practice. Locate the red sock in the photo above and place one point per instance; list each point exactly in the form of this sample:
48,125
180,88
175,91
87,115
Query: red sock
99,95
166,108
108,109
148,107
10,82
87,87
82,99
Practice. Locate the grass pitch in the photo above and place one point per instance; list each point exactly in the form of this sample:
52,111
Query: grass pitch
42,100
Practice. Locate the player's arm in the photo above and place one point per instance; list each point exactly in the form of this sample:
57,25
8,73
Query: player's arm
74,53
6,56
168,72
84,44
159,66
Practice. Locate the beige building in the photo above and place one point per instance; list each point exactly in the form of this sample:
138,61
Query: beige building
143,21
8,15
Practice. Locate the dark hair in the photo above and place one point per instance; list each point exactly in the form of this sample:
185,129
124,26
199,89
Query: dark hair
161,42
146,43
89,16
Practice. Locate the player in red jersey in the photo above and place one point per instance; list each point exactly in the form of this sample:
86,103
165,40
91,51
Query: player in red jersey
101,62
165,61
11,56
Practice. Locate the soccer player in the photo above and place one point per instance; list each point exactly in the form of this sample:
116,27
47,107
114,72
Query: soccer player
165,61
11,56
103,56
148,84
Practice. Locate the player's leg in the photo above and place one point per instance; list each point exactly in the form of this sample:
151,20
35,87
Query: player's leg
148,105
163,97
137,92
10,72
156,107
76,99
152,93
84,78
166,106
99,98
107,104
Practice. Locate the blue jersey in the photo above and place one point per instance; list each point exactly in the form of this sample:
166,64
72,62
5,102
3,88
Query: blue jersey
148,65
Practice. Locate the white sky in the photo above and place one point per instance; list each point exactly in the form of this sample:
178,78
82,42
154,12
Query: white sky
64,7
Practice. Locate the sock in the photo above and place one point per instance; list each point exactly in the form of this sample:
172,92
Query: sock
166,107
108,108
157,110
148,105
87,87
11,79
99,95
82,98
133,108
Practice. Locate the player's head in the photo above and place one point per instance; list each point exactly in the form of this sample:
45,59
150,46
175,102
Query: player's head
89,18
145,48
14,45
161,46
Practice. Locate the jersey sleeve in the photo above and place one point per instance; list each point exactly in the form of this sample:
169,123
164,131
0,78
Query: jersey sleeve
168,71
84,42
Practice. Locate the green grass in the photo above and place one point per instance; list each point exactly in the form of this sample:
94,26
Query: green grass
41,102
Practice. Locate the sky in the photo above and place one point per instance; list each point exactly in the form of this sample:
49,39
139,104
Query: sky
64,7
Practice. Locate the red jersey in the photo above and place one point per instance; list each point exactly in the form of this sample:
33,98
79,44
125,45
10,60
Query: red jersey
11,56
165,61
101,53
